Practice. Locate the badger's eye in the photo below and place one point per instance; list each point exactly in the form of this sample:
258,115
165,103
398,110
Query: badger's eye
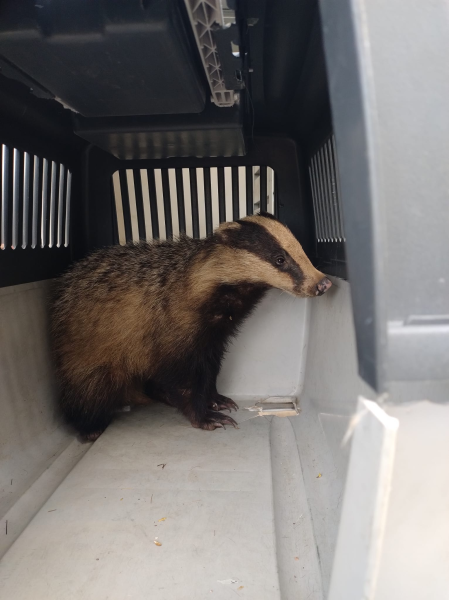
280,260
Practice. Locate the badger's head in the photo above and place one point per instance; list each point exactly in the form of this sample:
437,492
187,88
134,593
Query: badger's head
265,251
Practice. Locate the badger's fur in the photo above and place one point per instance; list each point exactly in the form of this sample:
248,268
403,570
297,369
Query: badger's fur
160,314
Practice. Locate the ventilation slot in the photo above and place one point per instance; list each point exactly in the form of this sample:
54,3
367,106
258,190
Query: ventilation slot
164,203
35,201
323,171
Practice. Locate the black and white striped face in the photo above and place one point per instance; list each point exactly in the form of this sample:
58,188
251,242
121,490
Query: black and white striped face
272,255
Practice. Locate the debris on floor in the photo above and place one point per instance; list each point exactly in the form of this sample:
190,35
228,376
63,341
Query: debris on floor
227,581
157,542
278,406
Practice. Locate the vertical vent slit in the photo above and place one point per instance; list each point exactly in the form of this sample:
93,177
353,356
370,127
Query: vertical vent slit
315,204
167,205
242,192
153,203
215,202
26,199
228,193
141,227
235,193
125,206
132,205
146,204
59,239
51,235
180,201
160,203
207,200
221,194
44,203
35,216
249,191
5,198
68,194
187,201
256,189
15,199
319,198
119,209
329,195
173,202
201,203
270,191
194,198
263,189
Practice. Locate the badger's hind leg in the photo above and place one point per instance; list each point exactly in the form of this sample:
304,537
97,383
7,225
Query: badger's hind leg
137,395
86,415
89,403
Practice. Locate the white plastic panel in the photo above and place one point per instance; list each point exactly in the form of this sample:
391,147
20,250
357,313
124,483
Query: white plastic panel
31,435
266,357
365,505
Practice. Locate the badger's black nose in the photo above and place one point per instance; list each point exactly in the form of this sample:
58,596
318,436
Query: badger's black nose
323,286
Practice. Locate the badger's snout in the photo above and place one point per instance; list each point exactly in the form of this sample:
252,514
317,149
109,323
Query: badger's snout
322,286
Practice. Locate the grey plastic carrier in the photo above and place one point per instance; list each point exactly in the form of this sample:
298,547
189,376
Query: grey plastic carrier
139,120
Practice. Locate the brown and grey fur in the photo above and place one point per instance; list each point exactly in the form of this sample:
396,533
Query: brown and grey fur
158,317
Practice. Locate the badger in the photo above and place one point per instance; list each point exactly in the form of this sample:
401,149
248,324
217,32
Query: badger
152,320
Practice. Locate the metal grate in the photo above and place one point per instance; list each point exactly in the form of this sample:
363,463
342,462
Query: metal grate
324,179
35,201
163,203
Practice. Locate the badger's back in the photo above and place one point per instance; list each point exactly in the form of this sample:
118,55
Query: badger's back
112,308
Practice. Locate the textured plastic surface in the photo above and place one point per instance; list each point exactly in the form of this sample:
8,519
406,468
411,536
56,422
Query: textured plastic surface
152,476
206,18
212,133
129,58
391,141
30,432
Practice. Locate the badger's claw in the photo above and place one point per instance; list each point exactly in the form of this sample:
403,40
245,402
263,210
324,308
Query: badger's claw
222,403
214,420
91,436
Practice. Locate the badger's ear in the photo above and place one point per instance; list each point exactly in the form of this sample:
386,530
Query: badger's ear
228,225
225,230
266,215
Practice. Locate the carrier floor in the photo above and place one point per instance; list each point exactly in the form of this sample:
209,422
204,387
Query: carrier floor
206,496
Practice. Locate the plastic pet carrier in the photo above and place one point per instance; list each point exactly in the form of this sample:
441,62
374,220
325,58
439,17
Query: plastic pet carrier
137,120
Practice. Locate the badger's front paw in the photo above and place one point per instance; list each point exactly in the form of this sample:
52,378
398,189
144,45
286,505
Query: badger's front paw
220,402
214,420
